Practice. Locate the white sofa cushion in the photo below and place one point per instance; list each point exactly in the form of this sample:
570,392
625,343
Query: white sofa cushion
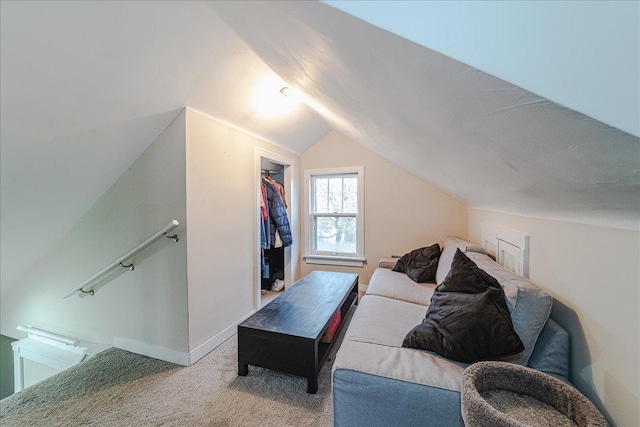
449,250
404,364
383,321
529,304
391,284
373,345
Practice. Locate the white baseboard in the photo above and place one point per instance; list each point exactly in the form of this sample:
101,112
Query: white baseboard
213,342
152,350
178,357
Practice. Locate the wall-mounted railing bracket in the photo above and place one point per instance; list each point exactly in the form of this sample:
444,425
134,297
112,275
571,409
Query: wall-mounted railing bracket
129,266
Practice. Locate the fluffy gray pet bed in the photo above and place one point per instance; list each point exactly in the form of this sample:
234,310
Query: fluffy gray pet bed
501,394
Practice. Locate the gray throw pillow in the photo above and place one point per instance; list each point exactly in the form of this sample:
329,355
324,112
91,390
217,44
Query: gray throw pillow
420,264
468,319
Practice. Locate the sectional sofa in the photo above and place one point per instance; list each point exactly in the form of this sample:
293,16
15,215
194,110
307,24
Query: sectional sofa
377,382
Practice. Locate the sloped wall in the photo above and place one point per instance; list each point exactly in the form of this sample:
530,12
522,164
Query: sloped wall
402,212
147,305
222,212
594,275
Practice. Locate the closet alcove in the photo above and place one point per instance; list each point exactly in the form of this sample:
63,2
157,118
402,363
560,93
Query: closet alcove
273,268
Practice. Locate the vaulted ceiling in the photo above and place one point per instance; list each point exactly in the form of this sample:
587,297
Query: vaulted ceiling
87,86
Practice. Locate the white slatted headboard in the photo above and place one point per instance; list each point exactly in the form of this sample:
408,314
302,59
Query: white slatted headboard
509,248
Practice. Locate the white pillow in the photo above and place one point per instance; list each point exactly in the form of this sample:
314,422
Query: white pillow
449,250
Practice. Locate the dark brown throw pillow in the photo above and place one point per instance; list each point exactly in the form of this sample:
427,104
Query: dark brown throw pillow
468,319
420,264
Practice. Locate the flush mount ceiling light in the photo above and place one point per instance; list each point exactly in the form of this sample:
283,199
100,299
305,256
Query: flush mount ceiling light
288,92
272,98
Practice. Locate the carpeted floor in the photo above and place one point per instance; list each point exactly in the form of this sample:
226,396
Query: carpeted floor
118,388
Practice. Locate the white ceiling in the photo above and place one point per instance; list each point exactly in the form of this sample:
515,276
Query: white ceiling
87,86
485,141
583,55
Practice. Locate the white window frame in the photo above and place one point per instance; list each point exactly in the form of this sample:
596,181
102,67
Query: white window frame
314,257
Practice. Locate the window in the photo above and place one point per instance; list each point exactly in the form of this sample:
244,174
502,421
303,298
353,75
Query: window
335,224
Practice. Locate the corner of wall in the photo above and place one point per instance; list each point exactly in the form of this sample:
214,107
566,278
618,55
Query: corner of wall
221,193
592,272
147,304
403,212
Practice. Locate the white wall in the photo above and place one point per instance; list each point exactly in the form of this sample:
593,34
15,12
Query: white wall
594,276
402,212
222,214
147,305
35,372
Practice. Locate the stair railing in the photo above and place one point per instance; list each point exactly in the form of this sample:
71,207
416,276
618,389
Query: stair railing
123,261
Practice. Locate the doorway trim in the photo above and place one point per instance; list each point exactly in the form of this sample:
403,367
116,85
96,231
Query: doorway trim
290,252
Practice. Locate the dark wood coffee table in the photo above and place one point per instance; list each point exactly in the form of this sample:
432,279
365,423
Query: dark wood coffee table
285,334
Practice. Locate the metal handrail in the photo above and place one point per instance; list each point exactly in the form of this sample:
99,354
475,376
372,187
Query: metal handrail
120,261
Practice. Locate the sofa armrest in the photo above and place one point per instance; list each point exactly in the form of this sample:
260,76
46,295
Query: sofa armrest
387,263
551,352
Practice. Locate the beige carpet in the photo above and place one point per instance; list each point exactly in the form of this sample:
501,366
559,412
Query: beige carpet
118,388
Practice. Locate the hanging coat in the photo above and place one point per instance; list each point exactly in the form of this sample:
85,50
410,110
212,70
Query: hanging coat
264,220
279,187
277,215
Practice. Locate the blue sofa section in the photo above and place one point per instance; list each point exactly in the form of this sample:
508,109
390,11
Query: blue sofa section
377,382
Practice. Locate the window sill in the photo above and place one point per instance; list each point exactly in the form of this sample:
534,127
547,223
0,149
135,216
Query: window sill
346,261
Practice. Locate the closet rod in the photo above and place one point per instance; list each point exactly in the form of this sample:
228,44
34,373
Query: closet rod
268,172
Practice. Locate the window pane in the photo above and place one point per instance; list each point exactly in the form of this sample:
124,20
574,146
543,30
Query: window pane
350,195
335,234
335,195
321,188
